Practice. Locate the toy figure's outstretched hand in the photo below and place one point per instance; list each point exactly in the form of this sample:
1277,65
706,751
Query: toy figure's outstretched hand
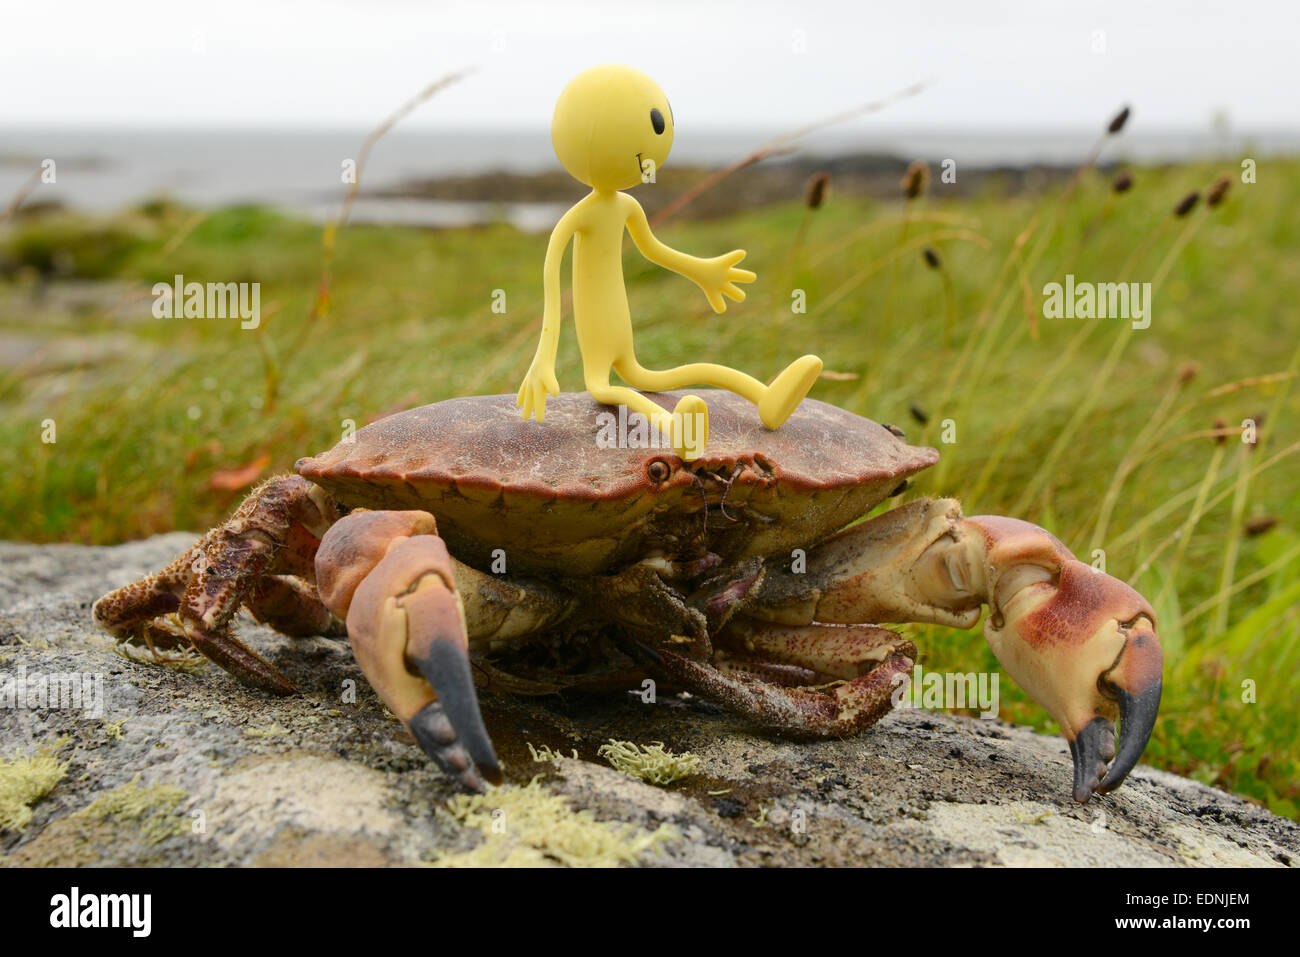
718,278
532,394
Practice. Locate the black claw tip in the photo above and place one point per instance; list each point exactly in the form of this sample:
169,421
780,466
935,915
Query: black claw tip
1088,750
1137,719
436,736
447,669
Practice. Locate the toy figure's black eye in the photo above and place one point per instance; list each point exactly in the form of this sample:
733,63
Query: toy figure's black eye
657,121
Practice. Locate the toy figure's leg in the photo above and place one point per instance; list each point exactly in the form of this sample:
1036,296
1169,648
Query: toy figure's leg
690,409
694,373
776,402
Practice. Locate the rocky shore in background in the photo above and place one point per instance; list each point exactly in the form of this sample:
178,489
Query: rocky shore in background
774,180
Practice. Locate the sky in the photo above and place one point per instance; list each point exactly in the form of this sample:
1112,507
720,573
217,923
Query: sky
995,64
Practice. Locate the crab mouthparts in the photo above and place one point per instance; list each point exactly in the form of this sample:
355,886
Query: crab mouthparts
712,479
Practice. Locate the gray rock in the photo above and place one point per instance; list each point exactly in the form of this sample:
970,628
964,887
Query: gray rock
329,777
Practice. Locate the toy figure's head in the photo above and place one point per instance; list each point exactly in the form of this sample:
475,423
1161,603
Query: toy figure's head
612,125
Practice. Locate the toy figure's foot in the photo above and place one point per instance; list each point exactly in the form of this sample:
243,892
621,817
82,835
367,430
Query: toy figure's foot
690,429
788,390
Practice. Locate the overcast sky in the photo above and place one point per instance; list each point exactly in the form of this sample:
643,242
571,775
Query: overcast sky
997,63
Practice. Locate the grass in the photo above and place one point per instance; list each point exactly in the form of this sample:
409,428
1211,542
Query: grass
1102,433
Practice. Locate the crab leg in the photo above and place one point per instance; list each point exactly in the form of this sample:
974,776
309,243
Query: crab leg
274,530
812,681
842,708
389,576
290,605
501,610
830,652
1081,643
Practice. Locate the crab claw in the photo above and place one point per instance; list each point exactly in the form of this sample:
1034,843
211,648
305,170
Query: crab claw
1092,746
1082,644
1079,642
1137,684
389,576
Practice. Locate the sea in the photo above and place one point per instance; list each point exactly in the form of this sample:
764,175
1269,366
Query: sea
304,171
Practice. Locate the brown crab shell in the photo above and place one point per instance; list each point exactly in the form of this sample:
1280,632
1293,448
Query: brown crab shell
554,497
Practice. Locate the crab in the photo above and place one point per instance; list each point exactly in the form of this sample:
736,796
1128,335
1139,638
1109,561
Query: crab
455,540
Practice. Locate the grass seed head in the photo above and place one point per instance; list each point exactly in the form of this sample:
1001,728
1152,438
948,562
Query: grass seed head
916,180
1187,204
1217,192
1118,122
819,185
1260,525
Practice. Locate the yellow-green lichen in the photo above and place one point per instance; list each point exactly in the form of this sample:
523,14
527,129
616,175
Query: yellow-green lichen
544,753
1025,817
24,781
114,729
274,731
153,809
190,664
652,764
531,827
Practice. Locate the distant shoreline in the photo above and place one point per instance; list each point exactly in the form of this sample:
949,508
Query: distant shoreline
457,178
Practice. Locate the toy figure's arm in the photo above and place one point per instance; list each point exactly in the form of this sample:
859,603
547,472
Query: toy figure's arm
717,276
540,378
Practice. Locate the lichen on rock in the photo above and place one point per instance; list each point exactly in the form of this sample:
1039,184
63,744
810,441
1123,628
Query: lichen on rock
529,827
24,781
653,763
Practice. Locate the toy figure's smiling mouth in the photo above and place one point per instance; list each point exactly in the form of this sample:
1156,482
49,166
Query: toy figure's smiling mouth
640,167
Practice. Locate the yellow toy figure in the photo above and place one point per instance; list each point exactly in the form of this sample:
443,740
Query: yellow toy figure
611,130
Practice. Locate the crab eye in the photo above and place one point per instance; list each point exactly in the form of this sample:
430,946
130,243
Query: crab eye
658,471
657,121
